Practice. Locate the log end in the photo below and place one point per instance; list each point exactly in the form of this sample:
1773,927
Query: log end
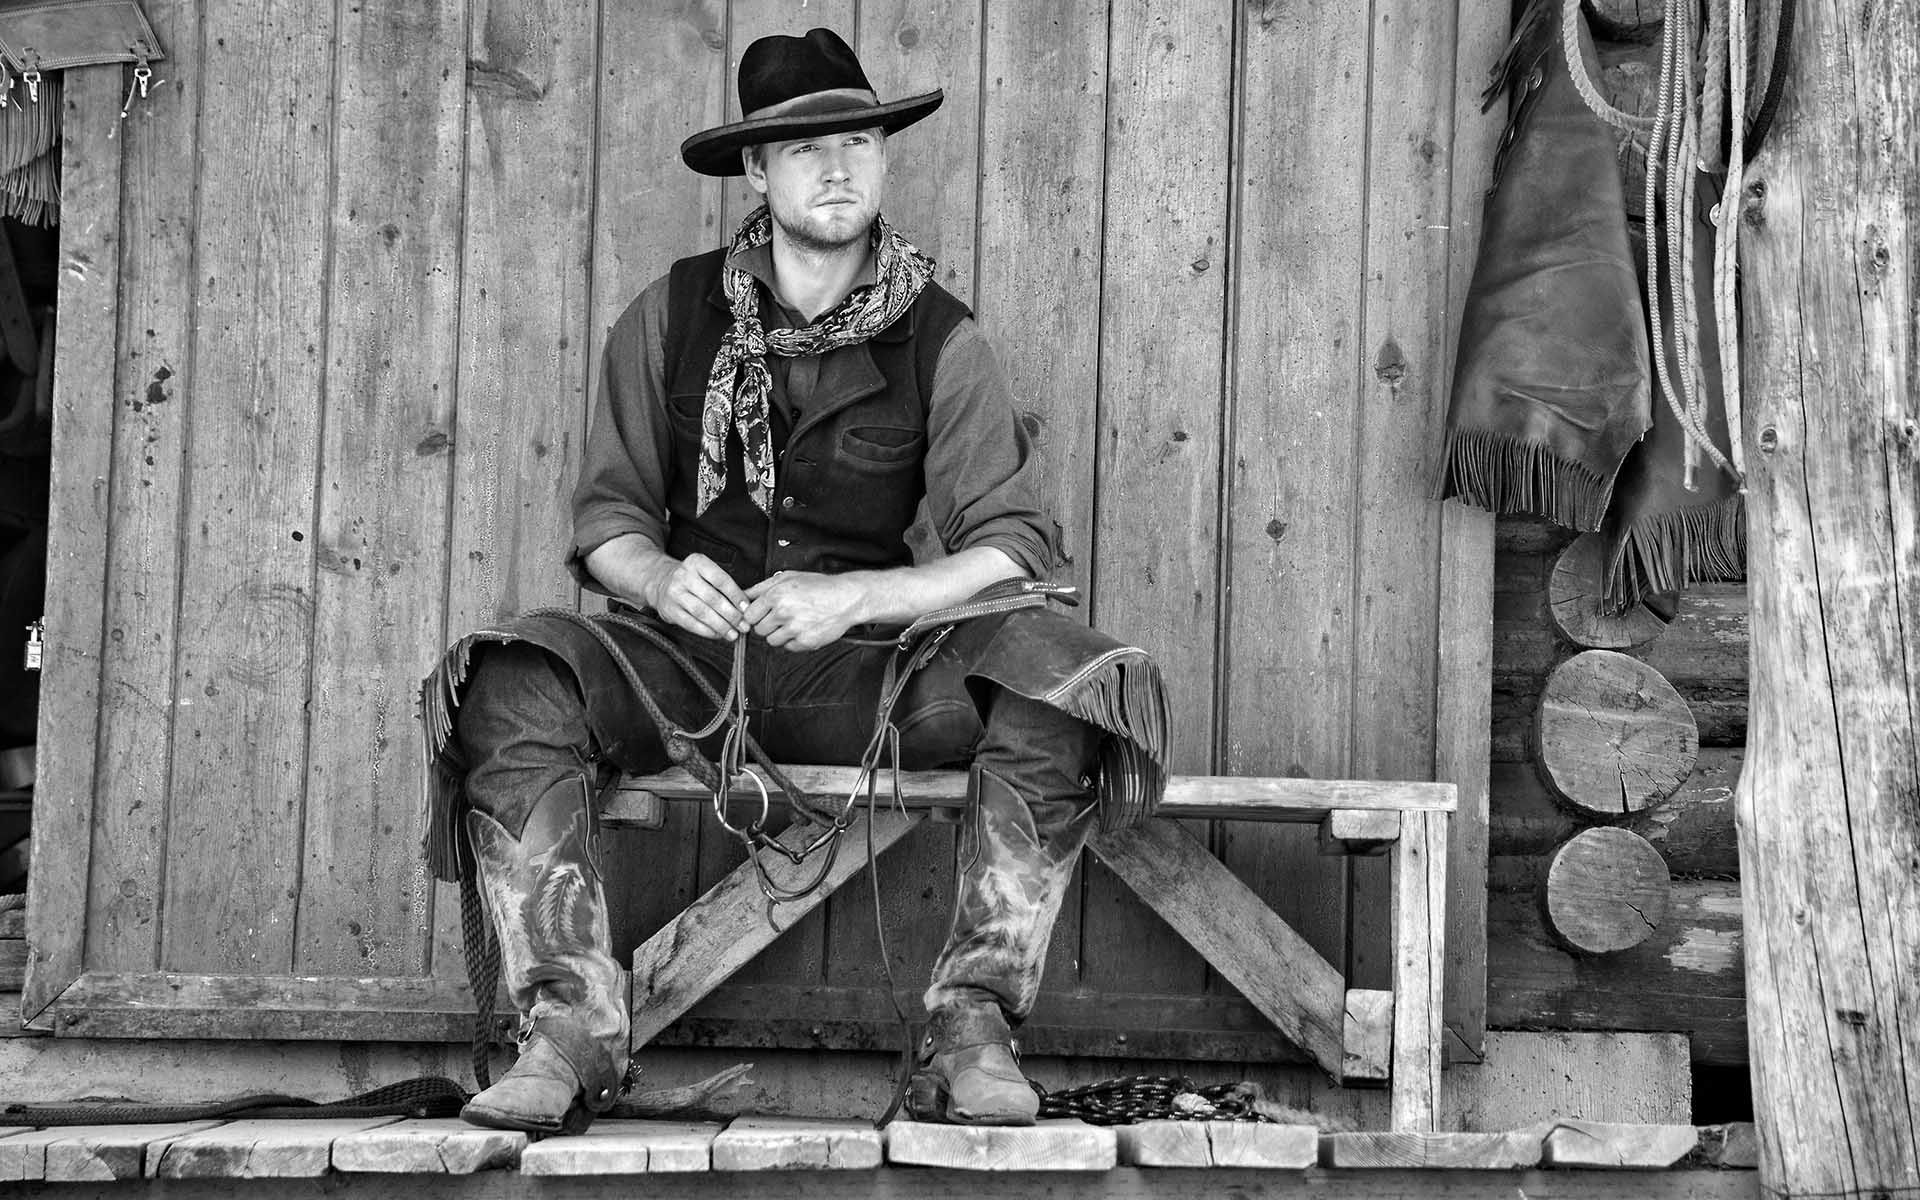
1612,735
1607,890
1576,599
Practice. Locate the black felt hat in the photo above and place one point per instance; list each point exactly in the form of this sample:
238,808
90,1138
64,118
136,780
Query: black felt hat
793,87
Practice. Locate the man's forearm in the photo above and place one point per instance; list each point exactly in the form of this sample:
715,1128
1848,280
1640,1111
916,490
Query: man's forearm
628,566
899,595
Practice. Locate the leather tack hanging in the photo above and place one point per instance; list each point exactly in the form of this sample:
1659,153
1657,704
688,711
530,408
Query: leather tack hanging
51,35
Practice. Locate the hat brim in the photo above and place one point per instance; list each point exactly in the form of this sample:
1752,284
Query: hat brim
717,151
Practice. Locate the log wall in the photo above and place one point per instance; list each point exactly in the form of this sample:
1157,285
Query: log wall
332,302
1686,977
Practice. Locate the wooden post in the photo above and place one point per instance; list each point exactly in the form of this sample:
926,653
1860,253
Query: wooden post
1829,806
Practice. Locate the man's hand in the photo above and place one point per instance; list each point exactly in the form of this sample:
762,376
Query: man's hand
801,610
697,595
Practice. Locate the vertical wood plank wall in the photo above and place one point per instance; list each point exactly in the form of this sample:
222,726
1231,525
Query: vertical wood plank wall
365,264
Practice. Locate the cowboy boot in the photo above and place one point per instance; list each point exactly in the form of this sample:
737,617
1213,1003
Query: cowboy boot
543,893
969,1071
1017,853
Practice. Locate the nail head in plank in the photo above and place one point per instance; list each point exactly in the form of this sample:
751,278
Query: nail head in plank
1064,1145
624,1148
1479,1151
256,1149
1358,831
1368,1051
785,1143
437,1146
83,1153
1611,1144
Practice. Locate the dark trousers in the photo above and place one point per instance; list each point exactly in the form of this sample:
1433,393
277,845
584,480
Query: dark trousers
524,724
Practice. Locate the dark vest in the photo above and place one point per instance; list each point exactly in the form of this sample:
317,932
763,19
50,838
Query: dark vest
848,470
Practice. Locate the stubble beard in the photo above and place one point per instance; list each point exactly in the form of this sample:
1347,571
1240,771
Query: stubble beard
812,234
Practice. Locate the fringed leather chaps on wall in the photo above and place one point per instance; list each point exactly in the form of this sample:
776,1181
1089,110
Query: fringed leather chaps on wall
1551,385
1661,537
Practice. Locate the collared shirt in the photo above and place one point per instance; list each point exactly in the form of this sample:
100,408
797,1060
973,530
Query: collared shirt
979,468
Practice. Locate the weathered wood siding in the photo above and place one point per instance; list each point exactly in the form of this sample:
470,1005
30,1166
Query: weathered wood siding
333,302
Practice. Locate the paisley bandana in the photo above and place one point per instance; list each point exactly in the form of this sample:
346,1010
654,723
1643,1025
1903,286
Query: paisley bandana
740,382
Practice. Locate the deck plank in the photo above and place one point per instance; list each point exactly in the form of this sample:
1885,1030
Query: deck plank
1165,1144
1219,1144
437,1146
1246,1144
82,1153
1409,1148
787,1143
1611,1144
625,1148
288,1149
1048,1146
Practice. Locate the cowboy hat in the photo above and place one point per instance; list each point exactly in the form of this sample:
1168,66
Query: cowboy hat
793,87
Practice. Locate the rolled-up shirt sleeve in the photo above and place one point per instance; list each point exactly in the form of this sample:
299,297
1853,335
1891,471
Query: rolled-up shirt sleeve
624,467
981,472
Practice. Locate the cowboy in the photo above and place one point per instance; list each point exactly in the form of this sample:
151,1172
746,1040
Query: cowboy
772,415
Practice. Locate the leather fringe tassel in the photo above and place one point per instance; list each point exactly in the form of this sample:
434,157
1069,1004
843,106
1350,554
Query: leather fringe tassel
448,853
29,154
1515,58
1669,551
1503,474
1123,694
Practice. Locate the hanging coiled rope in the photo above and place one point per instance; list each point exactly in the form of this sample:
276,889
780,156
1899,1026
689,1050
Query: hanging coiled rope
1699,127
1583,81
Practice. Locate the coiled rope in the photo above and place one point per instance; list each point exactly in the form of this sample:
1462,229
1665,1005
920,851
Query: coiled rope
1695,129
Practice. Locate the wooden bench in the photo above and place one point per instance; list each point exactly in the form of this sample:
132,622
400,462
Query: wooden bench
1359,1037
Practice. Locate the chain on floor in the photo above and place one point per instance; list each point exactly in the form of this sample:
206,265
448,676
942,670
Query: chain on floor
1152,1098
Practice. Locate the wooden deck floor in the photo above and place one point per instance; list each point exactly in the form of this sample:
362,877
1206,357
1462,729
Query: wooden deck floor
765,1156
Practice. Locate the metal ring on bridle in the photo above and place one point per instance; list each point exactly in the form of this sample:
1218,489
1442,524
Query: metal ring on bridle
721,793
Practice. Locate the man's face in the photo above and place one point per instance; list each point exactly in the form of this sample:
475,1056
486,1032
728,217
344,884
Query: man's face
823,191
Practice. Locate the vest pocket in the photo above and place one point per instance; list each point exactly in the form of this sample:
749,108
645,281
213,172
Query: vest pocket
881,445
686,540
684,410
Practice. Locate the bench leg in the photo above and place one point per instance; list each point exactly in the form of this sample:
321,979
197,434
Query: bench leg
1234,930
720,932
1419,955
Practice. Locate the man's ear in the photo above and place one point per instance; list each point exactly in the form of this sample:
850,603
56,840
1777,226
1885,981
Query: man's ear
753,159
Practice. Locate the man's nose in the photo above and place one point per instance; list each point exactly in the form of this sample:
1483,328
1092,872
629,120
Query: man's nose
836,165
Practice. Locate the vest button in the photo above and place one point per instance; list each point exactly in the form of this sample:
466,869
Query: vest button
785,543
786,502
